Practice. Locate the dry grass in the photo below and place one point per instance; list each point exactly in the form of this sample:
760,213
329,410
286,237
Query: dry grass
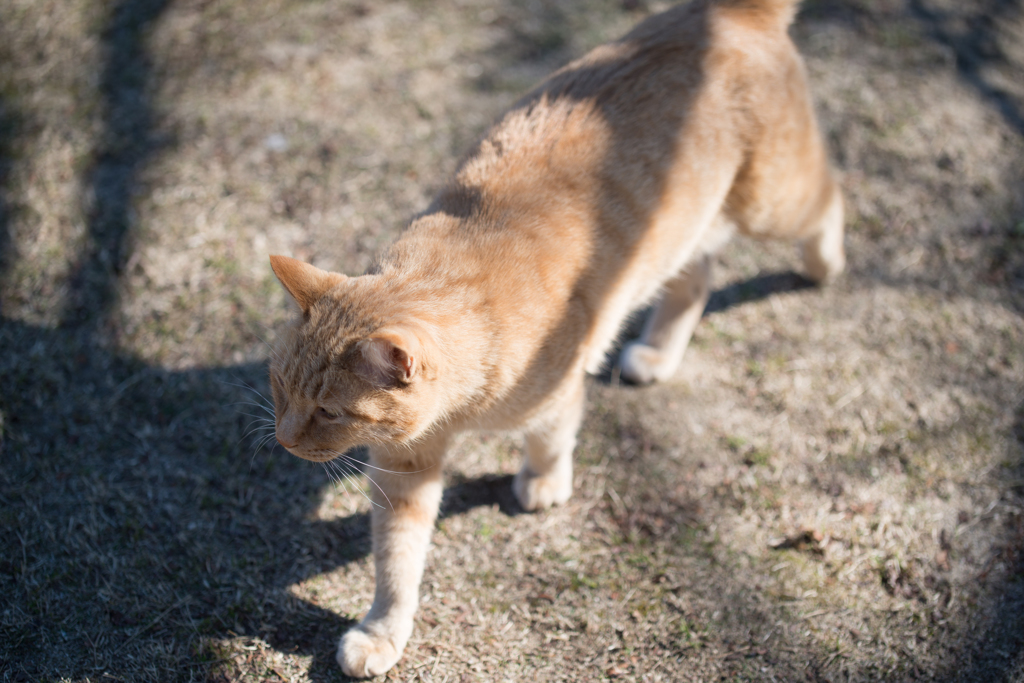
831,489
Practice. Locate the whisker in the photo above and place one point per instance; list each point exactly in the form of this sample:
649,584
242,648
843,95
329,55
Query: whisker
257,428
379,469
261,445
352,476
251,388
356,486
263,441
254,404
342,478
254,390
372,481
255,452
241,384
257,417
335,480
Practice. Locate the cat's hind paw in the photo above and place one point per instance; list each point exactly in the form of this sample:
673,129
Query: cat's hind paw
643,364
363,655
538,492
824,255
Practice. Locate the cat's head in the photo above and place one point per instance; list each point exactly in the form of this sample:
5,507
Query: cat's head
347,373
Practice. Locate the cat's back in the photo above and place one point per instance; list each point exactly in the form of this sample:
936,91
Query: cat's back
567,213
609,127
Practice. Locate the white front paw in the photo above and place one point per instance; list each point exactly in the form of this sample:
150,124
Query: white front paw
642,364
362,654
537,492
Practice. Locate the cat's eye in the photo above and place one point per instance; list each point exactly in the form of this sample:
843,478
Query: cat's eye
325,414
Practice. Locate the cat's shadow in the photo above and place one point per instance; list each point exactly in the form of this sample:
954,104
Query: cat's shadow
755,289
484,491
462,494
746,291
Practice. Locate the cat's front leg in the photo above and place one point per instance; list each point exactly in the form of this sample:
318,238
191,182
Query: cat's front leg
402,520
546,476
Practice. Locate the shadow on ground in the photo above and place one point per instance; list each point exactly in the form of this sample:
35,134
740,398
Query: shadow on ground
134,499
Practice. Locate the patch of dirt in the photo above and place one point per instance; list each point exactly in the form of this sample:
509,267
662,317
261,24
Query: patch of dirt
829,489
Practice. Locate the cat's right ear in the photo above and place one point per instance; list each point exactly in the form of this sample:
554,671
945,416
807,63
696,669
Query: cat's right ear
389,358
306,283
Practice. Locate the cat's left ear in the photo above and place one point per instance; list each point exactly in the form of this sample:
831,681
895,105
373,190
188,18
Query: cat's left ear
390,357
306,283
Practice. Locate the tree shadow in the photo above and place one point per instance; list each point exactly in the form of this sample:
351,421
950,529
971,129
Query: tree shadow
123,492
997,652
976,46
131,491
8,131
126,145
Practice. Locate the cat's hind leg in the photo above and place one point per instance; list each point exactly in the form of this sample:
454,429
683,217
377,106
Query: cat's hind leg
824,256
546,476
405,507
656,355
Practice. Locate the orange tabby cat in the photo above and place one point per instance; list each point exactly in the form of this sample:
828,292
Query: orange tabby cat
607,186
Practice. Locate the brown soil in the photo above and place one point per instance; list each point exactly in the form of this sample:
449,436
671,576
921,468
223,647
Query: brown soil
831,489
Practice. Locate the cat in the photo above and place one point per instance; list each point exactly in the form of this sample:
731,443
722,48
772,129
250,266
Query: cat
610,185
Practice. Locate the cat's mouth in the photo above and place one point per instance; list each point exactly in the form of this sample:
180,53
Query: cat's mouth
313,456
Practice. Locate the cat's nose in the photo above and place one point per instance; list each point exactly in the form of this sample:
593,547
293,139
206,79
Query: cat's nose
284,442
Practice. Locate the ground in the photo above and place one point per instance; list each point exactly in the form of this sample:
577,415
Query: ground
830,489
